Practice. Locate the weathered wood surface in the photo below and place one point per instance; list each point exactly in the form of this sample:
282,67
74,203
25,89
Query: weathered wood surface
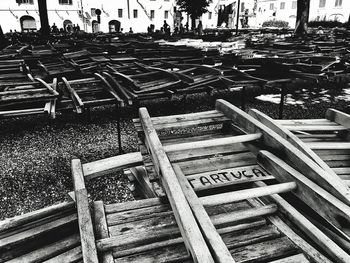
88,246
293,156
189,229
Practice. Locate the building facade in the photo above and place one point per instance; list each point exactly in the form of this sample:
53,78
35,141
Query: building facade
138,15
23,15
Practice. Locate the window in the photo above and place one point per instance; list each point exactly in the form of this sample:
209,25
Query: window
93,11
322,3
65,2
29,2
242,7
166,14
338,2
209,15
120,12
282,5
152,14
272,6
294,5
135,13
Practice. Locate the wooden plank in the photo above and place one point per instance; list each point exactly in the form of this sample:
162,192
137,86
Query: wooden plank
315,128
48,87
299,258
70,256
289,136
36,231
227,177
329,145
212,143
300,161
218,163
17,221
231,197
111,165
213,239
153,229
109,89
189,229
78,103
87,237
331,248
339,117
101,228
133,205
49,251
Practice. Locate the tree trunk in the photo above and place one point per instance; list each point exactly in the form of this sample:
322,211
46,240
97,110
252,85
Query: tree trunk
193,22
3,41
44,20
302,17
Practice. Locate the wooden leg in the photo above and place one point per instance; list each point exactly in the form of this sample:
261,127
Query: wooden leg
280,114
118,129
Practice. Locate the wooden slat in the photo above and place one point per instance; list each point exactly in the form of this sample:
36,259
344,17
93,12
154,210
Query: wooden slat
189,229
301,162
339,117
111,165
213,239
315,128
289,136
101,228
299,258
329,145
72,255
37,231
87,237
212,143
17,221
49,251
227,177
231,197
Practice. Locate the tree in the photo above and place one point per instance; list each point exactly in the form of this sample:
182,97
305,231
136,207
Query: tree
303,7
195,8
44,20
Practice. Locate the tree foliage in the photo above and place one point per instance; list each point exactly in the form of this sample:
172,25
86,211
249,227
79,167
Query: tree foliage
195,8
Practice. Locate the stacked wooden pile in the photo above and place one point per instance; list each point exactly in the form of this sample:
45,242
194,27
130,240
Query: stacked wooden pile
27,98
225,187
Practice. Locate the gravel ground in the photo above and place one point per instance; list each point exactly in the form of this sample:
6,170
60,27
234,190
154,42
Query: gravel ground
35,154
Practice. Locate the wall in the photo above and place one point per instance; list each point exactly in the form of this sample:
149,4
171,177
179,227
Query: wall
110,12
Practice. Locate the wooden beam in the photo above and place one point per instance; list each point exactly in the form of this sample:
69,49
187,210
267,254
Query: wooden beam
212,142
101,228
212,237
283,148
231,197
84,216
339,117
188,226
111,165
318,199
292,138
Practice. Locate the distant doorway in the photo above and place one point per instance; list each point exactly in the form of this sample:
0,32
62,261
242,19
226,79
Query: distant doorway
28,24
67,25
95,26
114,26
